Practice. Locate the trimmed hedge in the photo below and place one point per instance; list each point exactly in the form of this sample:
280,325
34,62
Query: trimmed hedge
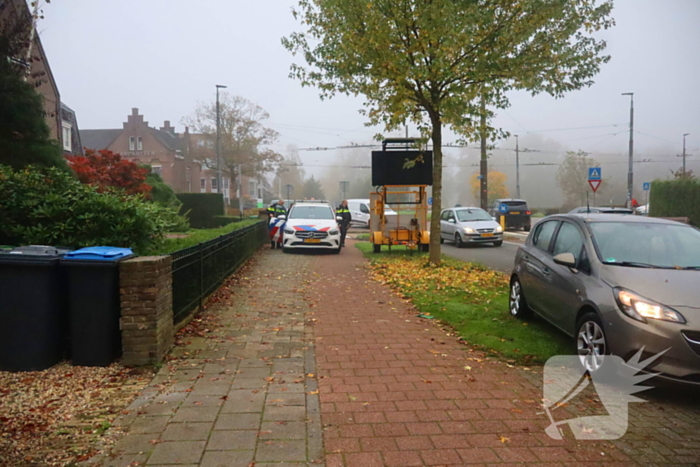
676,198
202,209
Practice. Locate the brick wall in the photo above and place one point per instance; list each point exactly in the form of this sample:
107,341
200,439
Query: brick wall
147,309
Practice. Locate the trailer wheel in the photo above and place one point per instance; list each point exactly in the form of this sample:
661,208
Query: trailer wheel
377,248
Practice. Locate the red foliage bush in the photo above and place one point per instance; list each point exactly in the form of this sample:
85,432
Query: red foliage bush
107,169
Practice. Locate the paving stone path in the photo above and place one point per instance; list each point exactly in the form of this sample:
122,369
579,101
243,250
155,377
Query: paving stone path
318,365
241,398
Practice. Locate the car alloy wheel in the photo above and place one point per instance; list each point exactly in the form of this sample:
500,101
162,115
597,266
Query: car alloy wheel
458,241
516,301
591,343
515,291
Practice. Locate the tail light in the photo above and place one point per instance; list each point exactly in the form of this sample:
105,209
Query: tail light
528,212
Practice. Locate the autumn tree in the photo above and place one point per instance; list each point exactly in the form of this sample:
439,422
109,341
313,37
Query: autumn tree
244,137
290,172
107,169
572,178
497,186
313,189
434,62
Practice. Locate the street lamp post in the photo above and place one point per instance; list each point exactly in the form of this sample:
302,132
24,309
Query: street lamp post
517,168
630,172
218,140
684,135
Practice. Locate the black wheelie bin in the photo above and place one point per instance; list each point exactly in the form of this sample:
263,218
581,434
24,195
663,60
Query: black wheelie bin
33,308
93,294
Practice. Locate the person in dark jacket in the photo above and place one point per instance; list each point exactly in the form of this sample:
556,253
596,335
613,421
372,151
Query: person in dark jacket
277,209
344,212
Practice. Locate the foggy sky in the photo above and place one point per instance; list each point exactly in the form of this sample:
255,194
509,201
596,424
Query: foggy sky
165,56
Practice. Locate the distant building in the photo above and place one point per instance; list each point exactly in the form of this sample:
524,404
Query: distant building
161,148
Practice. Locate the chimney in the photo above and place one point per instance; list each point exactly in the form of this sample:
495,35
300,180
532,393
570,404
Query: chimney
166,127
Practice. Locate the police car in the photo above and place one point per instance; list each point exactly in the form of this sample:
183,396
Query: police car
311,225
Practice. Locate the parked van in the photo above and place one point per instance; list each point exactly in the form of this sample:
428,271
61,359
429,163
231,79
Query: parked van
359,210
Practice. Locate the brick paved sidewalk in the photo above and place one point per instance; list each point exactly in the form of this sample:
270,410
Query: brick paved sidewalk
395,390
240,399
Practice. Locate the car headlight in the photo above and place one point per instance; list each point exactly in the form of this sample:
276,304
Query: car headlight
469,230
637,307
334,232
499,229
289,231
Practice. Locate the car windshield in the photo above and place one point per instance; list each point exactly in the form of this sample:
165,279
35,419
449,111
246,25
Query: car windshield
641,244
311,212
469,215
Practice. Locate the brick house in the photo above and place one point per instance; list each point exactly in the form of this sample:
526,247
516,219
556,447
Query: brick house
14,15
70,137
161,148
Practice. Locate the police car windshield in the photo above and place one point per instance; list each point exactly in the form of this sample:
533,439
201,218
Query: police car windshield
468,215
312,212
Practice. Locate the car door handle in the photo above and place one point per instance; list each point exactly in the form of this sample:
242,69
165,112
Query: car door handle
545,271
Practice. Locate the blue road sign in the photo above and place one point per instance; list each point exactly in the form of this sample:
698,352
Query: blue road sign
646,186
430,201
503,208
594,173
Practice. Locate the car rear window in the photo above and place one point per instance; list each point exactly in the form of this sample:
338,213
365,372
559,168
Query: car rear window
516,206
543,235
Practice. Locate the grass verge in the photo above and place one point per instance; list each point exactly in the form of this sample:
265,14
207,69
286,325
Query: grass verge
194,237
470,298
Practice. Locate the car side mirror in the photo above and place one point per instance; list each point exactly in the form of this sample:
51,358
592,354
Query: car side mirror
451,221
495,219
282,216
565,259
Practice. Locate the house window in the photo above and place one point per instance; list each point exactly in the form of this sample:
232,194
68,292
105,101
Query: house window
139,143
132,143
214,186
157,169
203,185
226,183
251,188
67,137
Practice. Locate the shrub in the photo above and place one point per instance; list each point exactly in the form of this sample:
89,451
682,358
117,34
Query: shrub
51,207
676,198
202,208
165,196
106,169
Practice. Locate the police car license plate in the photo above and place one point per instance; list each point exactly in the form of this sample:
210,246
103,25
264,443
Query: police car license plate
312,240
487,235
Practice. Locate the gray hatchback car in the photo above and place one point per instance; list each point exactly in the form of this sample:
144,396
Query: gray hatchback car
617,284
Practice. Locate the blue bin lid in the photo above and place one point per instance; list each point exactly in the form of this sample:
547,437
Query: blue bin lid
100,253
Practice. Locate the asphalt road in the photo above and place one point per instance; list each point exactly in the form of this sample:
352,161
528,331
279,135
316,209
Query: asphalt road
499,258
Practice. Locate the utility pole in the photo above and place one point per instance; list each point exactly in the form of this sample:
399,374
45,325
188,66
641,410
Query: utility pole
218,140
686,134
484,161
630,172
517,168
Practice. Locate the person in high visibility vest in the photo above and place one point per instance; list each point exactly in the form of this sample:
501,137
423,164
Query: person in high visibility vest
277,209
344,212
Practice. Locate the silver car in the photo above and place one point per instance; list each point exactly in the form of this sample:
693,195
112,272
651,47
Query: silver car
469,225
616,284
